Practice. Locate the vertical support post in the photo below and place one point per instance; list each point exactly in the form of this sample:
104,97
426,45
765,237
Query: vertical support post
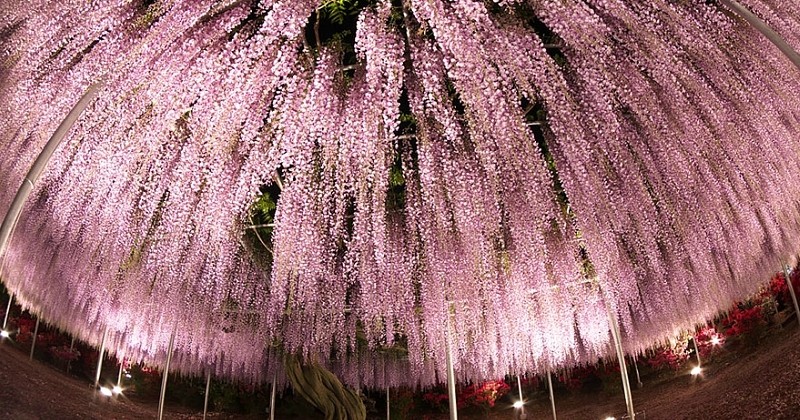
623,369
639,383
388,407
13,213
522,414
71,347
8,310
787,273
552,399
451,385
208,389
272,398
165,376
696,350
119,375
451,377
765,30
35,333
100,359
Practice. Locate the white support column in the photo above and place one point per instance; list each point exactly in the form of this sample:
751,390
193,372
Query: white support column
71,347
165,376
639,383
100,359
8,310
696,350
451,377
272,398
388,407
205,400
552,399
451,385
623,369
33,341
522,414
787,273
119,375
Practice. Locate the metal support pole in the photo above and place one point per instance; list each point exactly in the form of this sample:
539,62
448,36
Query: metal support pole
451,377
12,216
696,350
623,369
765,30
8,310
100,358
71,346
787,272
205,401
639,383
165,376
522,414
35,333
388,407
451,385
119,375
552,399
272,398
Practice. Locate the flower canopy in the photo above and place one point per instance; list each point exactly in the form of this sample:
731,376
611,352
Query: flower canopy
485,176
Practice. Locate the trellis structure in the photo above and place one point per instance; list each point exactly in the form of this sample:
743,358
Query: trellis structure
412,180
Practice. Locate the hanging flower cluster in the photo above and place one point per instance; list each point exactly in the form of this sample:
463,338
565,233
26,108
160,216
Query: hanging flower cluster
490,179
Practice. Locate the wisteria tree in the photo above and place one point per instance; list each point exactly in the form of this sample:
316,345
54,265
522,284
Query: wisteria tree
367,184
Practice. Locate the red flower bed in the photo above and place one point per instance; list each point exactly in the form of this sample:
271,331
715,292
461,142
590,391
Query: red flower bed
483,395
743,320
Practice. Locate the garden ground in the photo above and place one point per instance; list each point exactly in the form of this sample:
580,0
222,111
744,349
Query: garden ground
743,381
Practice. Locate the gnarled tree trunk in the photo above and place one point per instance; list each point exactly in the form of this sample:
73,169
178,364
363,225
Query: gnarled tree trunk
323,390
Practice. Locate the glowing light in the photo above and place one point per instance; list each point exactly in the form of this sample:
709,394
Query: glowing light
105,391
128,375
715,340
116,389
4,334
696,370
518,404
610,418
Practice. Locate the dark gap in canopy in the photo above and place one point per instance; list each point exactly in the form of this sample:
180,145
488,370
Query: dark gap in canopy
147,13
10,30
550,39
405,142
334,23
254,20
258,236
536,116
78,57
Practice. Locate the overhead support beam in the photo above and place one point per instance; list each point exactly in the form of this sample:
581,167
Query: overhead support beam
12,215
765,30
